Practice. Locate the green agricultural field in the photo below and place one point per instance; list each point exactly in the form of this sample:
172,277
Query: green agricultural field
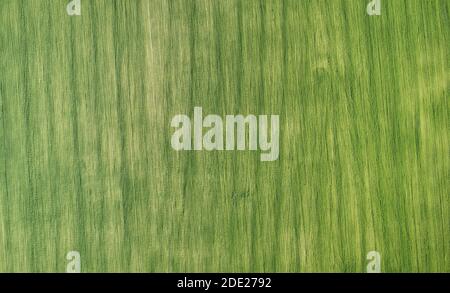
86,162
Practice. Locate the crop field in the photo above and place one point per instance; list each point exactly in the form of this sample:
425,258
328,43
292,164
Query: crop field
87,165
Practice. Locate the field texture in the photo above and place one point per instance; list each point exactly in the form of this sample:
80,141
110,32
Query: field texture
86,162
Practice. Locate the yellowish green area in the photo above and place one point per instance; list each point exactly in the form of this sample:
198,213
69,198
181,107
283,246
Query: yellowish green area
86,162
